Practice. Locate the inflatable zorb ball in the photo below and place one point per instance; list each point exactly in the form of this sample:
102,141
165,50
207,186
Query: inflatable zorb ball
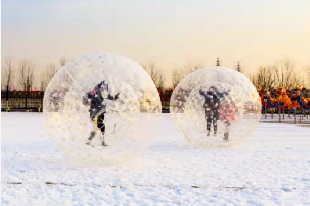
94,104
215,107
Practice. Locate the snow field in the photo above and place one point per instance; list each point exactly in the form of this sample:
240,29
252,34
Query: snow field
272,167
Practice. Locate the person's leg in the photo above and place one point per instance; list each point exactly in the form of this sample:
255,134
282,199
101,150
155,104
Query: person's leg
215,118
226,134
92,135
209,121
101,126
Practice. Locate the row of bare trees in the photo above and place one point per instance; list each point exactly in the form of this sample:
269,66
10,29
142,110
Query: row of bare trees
22,74
177,74
283,73
280,74
23,77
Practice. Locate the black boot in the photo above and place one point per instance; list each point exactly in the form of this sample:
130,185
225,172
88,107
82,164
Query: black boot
104,144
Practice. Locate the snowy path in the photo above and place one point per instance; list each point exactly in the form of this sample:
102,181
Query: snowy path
271,168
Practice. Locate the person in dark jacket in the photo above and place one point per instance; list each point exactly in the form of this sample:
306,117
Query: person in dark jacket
97,109
211,106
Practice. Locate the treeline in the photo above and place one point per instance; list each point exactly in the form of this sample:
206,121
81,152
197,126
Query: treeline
176,76
281,74
284,74
21,75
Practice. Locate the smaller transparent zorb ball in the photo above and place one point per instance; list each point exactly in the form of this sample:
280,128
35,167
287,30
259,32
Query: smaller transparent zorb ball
215,107
94,104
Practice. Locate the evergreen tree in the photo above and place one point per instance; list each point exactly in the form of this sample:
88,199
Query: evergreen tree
218,62
238,67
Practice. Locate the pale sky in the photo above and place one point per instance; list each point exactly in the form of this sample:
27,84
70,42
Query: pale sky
170,33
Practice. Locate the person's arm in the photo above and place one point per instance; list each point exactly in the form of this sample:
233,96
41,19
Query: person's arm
100,85
222,94
86,100
202,93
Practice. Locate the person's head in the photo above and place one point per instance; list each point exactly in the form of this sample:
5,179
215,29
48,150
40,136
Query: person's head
93,91
212,89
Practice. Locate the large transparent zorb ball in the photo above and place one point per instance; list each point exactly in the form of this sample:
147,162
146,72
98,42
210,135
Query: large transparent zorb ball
215,107
93,105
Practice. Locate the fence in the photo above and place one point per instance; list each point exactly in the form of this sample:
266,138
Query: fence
289,106
22,101
33,101
285,115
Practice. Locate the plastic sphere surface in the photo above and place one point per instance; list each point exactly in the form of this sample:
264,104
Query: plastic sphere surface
215,107
92,106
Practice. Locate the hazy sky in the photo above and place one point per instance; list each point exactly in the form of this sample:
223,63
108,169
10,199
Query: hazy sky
168,32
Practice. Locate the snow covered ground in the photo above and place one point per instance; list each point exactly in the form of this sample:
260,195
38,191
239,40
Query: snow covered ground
271,168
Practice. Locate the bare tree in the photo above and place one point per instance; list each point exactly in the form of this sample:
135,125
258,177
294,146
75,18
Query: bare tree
189,68
161,81
264,77
307,79
26,77
177,76
151,70
155,74
300,79
7,75
285,75
47,75
179,73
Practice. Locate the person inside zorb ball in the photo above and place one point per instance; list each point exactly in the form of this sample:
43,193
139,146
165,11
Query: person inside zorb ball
97,109
215,107
94,105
